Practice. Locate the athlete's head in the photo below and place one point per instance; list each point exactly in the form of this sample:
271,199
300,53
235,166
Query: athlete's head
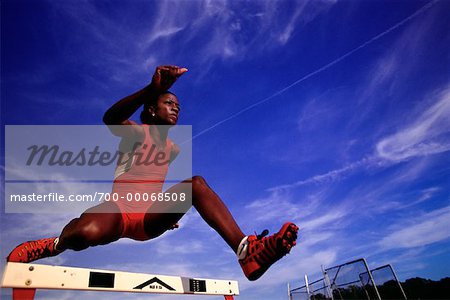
162,111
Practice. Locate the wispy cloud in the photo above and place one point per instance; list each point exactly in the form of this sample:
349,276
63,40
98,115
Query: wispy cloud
285,35
428,134
275,206
426,194
328,177
234,30
164,33
332,217
425,229
396,64
187,247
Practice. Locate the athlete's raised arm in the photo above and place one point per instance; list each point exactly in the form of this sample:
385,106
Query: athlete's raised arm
119,114
165,76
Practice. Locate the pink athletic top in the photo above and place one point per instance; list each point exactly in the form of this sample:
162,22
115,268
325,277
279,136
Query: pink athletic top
141,173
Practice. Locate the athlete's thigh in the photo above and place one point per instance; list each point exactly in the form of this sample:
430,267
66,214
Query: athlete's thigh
106,217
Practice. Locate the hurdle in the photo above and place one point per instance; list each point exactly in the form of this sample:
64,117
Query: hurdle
25,279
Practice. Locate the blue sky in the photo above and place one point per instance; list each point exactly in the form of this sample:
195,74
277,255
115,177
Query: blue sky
332,114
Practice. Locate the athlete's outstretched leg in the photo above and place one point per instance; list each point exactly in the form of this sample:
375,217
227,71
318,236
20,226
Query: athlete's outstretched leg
207,203
215,213
98,225
256,253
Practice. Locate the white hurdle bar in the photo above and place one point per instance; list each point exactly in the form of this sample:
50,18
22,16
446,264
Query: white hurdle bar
24,279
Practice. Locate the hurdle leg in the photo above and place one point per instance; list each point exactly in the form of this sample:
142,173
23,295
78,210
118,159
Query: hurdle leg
228,297
23,294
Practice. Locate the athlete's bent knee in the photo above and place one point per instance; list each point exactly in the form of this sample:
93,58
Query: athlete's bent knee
87,235
198,182
92,233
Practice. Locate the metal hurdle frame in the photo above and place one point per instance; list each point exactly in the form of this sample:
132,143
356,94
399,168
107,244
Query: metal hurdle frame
25,279
307,288
329,285
395,277
332,283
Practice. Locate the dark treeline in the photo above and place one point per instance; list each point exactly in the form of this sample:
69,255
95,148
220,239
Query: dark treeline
420,288
414,288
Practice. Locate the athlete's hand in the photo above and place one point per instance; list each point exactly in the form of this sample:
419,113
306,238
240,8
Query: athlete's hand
165,77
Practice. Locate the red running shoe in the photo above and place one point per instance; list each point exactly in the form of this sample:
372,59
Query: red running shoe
264,251
33,250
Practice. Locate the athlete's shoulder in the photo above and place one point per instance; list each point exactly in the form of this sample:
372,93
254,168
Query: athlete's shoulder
128,129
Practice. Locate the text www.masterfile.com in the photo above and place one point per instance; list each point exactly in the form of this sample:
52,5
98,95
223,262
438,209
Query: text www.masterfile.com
97,196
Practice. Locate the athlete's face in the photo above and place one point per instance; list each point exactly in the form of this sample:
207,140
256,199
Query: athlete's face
167,109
